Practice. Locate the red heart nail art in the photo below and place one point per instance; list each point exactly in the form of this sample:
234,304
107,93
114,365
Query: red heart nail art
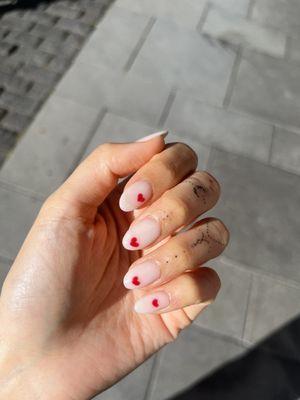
155,303
135,281
141,198
134,242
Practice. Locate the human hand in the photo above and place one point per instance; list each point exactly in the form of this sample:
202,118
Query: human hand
69,328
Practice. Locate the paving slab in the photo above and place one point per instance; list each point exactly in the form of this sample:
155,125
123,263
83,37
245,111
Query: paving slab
114,39
294,50
227,314
286,150
237,30
132,387
4,269
282,14
126,94
114,128
239,7
268,88
45,155
190,358
185,60
17,214
260,206
218,127
273,303
185,13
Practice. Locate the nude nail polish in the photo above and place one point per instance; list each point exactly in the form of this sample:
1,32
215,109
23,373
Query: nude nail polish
152,302
135,195
141,275
141,234
152,136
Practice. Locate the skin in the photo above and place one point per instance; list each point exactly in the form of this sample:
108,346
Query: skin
68,329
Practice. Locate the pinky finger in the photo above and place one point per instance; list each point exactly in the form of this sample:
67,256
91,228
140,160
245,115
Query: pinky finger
197,287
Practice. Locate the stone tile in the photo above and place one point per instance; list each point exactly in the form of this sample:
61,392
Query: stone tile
268,88
239,7
132,387
185,60
4,269
272,305
17,214
228,313
234,29
185,13
191,357
114,39
218,127
286,150
46,153
282,14
128,95
260,206
114,128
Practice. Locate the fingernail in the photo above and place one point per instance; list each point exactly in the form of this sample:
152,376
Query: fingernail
142,275
141,234
152,136
135,196
152,303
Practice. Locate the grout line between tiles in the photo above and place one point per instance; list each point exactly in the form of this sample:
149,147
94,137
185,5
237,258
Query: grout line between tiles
203,17
232,78
153,375
167,108
247,306
271,145
89,138
139,44
250,9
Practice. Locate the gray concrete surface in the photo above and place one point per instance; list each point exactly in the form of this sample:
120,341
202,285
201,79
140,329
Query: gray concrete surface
201,71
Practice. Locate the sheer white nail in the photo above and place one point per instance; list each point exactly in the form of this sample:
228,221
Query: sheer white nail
141,275
152,302
141,234
135,195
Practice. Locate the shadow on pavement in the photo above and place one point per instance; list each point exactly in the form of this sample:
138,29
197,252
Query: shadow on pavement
269,371
23,5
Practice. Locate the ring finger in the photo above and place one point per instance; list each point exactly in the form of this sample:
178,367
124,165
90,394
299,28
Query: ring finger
177,207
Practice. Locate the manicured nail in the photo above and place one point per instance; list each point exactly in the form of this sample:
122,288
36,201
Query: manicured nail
141,234
142,275
152,303
152,136
135,196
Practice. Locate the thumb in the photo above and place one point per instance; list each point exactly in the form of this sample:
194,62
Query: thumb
93,180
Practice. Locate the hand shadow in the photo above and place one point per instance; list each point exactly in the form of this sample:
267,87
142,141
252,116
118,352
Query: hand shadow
269,371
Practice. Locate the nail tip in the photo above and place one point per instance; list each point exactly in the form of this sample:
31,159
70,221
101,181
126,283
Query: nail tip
163,134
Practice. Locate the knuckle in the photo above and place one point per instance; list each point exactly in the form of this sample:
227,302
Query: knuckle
181,208
187,152
219,231
168,168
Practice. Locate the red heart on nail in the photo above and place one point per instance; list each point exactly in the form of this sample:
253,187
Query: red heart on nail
155,303
141,198
135,281
134,242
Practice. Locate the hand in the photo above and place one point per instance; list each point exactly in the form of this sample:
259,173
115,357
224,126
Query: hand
69,328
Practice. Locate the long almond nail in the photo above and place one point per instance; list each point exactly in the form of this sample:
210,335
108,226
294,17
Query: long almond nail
152,302
135,196
152,136
142,275
141,234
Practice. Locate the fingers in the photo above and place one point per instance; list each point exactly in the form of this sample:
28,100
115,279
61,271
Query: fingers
98,174
194,287
206,240
161,173
177,207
